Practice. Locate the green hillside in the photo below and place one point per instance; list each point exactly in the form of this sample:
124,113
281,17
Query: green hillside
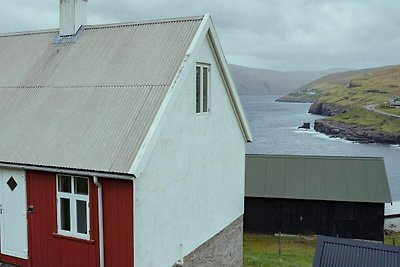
363,94
375,87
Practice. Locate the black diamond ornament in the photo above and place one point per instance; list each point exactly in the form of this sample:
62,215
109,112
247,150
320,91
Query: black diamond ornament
12,183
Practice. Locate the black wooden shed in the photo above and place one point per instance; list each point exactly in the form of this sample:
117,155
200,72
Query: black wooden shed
333,196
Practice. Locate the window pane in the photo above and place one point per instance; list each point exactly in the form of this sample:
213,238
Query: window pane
205,89
81,185
65,214
81,216
198,89
64,183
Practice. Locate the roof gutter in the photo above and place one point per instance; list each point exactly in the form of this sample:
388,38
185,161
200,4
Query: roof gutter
122,176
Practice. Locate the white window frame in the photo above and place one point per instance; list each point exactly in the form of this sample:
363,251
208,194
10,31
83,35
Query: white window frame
73,197
203,66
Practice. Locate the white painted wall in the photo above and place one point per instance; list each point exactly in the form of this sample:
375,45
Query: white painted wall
192,185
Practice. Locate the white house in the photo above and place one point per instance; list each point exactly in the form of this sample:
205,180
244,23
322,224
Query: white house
120,145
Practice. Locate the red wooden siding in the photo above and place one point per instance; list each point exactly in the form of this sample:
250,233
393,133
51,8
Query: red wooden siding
47,249
118,222
12,260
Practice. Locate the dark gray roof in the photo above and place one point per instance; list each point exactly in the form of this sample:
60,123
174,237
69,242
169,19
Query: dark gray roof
339,252
355,179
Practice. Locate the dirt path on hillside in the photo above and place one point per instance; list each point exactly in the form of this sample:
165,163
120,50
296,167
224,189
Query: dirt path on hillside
372,108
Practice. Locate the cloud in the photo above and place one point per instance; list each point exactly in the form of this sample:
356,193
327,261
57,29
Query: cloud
275,34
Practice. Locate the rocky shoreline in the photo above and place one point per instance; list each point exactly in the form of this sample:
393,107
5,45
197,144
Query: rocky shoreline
326,109
353,132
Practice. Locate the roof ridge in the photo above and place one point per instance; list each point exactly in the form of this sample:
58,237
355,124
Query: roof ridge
84,86
32,32
110,25
145,22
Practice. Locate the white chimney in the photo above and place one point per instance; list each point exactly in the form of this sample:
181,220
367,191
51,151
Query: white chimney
72,16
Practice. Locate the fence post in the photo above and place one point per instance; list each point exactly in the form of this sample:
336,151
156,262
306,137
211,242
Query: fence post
280,249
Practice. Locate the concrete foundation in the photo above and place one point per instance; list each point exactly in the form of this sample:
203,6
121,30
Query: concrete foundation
223,249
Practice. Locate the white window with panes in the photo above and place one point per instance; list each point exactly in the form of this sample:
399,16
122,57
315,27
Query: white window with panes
202,88
73,206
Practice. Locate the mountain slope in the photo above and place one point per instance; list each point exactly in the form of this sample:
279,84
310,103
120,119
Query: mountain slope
352,88
312,91
252,81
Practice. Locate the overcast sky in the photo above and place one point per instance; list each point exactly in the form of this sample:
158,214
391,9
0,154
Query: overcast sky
271,34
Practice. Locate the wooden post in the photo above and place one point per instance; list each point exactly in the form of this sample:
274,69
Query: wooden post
280,249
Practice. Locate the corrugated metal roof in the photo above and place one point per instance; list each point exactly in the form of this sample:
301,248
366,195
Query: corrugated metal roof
111,55
87,104
339,252
317,177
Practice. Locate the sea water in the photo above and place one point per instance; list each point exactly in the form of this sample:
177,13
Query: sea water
274,128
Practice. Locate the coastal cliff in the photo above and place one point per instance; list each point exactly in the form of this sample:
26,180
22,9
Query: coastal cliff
339,125
326,109
355,132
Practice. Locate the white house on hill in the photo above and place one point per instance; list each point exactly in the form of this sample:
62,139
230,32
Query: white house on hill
120,145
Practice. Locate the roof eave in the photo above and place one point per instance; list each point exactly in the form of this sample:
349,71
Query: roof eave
232,91
68,170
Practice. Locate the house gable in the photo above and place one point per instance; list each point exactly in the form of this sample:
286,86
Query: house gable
196,161
206,32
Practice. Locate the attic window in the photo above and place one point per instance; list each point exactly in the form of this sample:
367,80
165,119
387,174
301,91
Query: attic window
202,88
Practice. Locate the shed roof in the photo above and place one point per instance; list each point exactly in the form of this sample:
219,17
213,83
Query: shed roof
355,179
339,252
89,103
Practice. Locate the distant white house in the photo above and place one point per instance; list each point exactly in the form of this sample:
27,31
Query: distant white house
120,145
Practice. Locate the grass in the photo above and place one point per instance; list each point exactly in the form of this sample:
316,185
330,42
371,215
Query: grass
392,239
360,116
388,109
260,250
353,98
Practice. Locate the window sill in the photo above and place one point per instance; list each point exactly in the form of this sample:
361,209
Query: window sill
74,238
202,114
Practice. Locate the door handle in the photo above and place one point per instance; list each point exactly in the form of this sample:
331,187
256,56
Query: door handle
30,209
